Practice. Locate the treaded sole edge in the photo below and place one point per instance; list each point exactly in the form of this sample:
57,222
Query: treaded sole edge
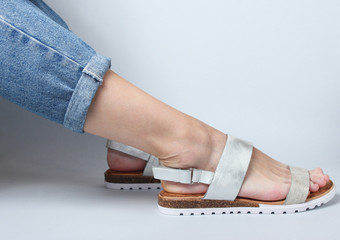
133,186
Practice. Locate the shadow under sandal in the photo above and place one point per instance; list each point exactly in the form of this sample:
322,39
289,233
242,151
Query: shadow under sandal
133,180
225,184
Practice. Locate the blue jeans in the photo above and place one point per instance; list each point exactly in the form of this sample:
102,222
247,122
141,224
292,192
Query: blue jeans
44,67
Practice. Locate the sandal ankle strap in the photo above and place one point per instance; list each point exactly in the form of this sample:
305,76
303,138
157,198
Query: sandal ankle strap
150,159
186,176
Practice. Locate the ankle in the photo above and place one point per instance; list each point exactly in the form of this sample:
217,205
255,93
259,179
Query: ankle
197,145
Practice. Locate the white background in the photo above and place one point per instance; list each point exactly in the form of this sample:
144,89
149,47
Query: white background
265,71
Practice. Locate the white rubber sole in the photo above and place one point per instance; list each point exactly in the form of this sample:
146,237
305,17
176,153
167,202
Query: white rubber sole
262,209
133,186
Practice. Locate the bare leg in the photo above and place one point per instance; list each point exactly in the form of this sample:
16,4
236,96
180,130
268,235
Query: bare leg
124,113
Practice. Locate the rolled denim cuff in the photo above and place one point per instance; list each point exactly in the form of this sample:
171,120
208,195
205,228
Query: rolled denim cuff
87,86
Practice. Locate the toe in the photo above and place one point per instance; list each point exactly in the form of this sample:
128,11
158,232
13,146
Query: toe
327,178
317,172
318,177
320,180
313,187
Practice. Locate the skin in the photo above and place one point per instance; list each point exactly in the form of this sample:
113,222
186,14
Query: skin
124,113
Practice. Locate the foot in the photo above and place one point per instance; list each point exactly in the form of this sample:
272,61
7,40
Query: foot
123,162
266,178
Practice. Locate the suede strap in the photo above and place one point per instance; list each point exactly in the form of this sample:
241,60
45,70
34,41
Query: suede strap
231,170
299,187
227,180
186,176
151,160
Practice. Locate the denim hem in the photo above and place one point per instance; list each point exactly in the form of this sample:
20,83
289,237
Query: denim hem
92,76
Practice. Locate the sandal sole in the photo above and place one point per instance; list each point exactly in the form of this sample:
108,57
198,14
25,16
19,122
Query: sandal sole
130,181
315,200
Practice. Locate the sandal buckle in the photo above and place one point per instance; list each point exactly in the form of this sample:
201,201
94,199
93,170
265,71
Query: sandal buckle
192,175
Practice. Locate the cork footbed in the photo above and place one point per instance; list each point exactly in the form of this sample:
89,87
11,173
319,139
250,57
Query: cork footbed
112,176
172,200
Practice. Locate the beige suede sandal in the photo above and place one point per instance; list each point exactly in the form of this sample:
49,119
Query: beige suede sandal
134,180
225,184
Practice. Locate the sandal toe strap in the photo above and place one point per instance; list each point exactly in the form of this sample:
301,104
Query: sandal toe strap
299,187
